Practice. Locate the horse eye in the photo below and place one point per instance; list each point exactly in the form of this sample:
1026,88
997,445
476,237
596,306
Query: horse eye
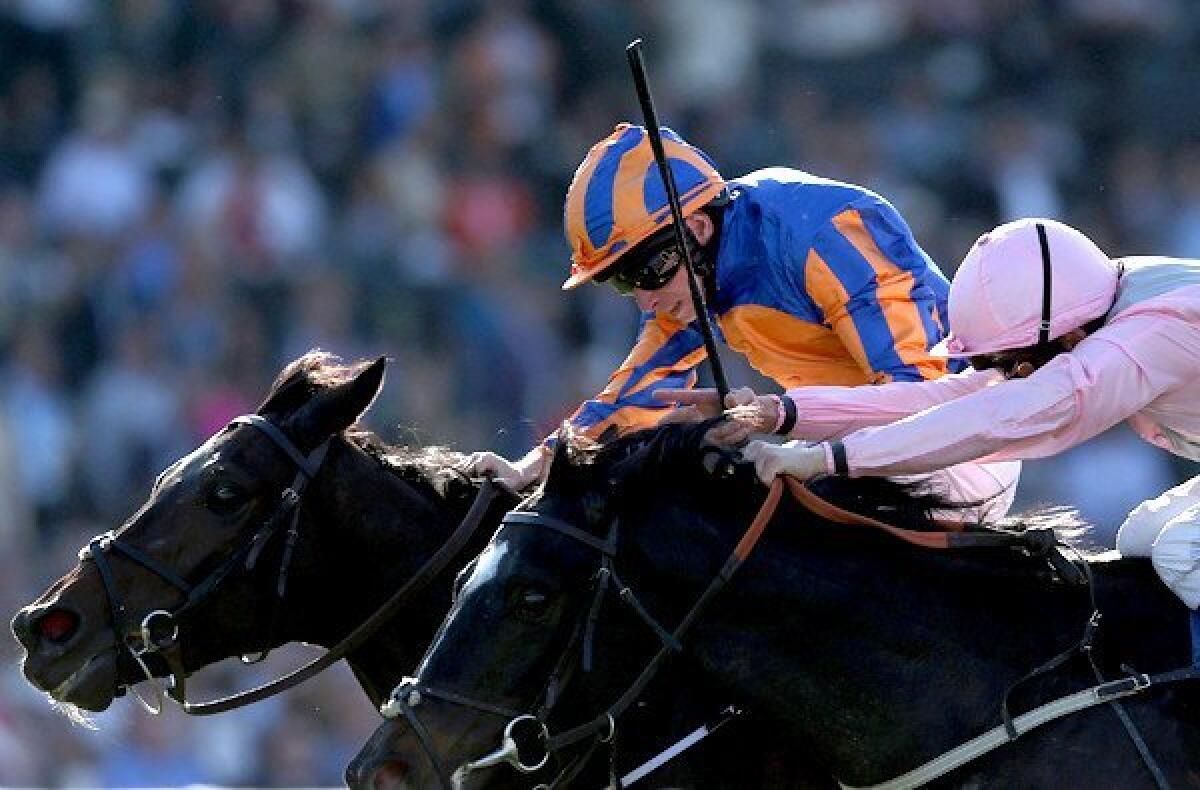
532,603
225,496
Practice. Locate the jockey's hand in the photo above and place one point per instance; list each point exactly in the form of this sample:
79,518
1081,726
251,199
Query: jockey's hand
701,404
741,422
792,459
513,475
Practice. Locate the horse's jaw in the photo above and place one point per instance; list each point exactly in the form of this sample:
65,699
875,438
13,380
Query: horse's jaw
91,686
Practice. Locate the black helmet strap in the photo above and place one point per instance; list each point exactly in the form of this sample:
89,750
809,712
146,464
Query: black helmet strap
1047,276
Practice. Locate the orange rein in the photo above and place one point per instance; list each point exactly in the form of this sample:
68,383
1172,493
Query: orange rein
839,515
830,511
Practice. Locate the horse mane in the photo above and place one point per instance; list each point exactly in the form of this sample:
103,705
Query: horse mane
671,453
662,453
434,468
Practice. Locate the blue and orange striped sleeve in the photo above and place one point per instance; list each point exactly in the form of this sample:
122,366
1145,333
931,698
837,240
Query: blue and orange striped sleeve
876,288
665,356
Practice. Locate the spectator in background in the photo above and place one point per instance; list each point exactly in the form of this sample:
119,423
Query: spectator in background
130,420
153,754
41,435
94,184
1184,222
13,500
259,206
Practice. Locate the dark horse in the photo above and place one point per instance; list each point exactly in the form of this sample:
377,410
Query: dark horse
874,655
371,516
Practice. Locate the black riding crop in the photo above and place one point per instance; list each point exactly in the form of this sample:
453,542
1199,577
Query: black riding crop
634,51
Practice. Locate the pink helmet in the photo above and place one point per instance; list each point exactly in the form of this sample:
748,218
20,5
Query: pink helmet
1026,282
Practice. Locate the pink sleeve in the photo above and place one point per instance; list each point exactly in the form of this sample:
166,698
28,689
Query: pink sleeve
830,412
1106,379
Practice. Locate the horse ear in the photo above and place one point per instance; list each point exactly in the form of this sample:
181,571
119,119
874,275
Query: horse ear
560,462
335,409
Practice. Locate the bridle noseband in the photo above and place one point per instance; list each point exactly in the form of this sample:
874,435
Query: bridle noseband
158,632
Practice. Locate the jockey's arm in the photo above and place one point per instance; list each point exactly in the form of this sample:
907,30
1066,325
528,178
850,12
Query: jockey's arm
831,412
1106,379
665,356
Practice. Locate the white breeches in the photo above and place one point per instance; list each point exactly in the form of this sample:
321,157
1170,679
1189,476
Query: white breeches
988,488
1167,530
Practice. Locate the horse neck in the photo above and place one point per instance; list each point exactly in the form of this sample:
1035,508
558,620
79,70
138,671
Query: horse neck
376,529
861,646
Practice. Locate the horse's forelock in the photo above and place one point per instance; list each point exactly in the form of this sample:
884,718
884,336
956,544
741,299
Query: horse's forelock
318,369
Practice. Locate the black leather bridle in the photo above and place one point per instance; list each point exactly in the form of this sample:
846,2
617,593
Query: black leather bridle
158,632
602,728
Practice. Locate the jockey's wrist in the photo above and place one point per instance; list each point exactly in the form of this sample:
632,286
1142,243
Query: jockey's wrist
787,415
835,458
777,405
533,462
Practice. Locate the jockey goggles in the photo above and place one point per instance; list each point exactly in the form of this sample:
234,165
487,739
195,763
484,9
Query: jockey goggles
648,266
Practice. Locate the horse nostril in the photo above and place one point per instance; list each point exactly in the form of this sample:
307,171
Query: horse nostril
57,625
391,775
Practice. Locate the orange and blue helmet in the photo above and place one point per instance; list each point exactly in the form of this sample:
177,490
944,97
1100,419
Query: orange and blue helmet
617,199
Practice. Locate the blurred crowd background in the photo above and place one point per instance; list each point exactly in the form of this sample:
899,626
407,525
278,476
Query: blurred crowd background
194,193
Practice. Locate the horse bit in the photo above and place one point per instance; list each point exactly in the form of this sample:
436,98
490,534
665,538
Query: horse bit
159,629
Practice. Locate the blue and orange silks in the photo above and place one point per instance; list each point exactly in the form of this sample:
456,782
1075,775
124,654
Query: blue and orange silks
818,282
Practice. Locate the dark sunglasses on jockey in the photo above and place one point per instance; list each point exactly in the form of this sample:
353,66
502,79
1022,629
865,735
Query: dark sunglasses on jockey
1019,363
649,266
1012,366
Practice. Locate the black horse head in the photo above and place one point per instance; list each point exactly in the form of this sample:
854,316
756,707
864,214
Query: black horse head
876,655
211,549
537,604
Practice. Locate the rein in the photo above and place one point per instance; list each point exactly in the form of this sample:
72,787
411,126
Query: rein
488,491
159,630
